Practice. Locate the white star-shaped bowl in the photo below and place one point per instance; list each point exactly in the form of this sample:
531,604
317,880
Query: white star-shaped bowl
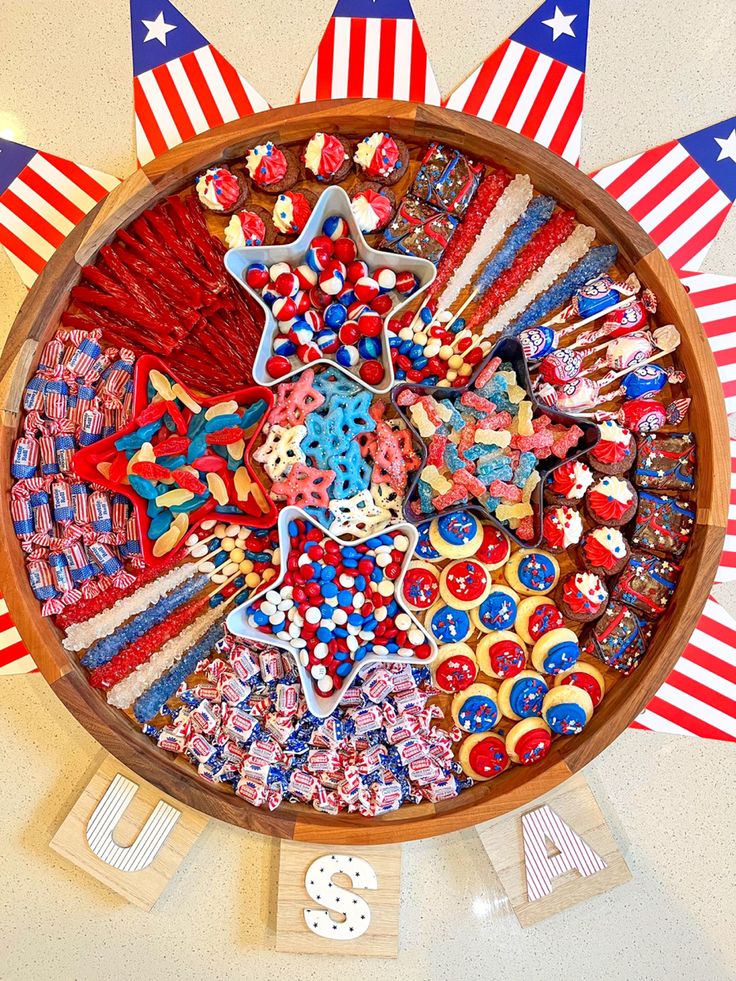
237,621
332,202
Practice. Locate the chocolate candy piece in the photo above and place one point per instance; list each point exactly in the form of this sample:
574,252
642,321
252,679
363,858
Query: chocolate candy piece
663,524
647,583
419,229
620,638
666,461
447,179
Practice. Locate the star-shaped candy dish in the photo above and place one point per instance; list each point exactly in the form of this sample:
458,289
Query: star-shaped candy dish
327,297
489,445
336,607
182,459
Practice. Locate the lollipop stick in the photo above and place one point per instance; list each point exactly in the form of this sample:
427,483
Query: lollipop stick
619,374
459,313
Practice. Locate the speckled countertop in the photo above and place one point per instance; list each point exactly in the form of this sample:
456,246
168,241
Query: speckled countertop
655,71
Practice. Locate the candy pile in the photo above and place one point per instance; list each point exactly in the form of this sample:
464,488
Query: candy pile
185,460
484,445
336,604
332,448
330,305
75,536
244,721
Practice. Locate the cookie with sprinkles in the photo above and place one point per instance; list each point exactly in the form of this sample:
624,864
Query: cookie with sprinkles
456,536
604,551
556,651
537,615
586,676
476,708
482,756
528,741
455,668
567,710
497,611
501,655
465,583
521,697
425,549
532,572
448,624
495,548
666,461
421,586
582,596
568,483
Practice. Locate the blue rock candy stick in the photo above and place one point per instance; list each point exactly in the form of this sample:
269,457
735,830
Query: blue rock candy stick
597,261
537,214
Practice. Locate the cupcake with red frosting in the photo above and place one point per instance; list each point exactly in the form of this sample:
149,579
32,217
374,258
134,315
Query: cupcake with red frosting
582,597
221,191
272,168
251,227
605,551
568,483
291,211
327,158
611,501
562,528
381,158
373,206
616,451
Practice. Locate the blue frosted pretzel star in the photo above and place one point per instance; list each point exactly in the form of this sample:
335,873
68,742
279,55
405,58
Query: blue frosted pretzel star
352,473
356,416
334,384
323,433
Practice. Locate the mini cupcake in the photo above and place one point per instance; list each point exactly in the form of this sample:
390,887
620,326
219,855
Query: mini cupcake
291,211
381,158
373,207
251,227
221,191
327,158
272,169
556,651
586,676
582,597
562,528
605,551
611,501
616,451
568,483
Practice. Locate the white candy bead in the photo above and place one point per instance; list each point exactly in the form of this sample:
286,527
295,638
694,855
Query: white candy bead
230,568
386,588
198,551
401,542
340,617
415,637
313,615
208,524
318,671
403,621
325,685
206,567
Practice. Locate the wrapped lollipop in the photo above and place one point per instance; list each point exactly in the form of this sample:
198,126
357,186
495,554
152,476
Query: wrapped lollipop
647,416
632,316
621,354
596,298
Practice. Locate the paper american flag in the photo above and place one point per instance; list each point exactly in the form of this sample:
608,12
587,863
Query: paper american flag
14,656
182,85
534,83
371,49
42,198
679,192
714,299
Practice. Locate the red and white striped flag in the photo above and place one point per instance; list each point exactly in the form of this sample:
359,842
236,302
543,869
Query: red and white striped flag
182,85
534,83
727,565
679,192
714,299
371,49
14,657
42,198
699,697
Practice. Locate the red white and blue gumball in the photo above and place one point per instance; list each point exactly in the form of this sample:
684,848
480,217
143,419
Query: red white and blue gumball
277,268
284,346
308,353
370,324
269,296
319,298
367,289
332,278
286,284
355,309
278,366
372,372
283,308
313,319
307,277
335,315
382,304
302,301
406,282
345,250
318,257
347,296
369,348
350,332
327,341
256,275
347,356
334,227
301,332
386,279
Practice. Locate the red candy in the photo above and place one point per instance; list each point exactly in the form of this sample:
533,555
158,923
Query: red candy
372,372
278,366
367,289
345,250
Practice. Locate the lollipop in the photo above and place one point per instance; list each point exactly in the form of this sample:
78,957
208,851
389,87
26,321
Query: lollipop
632,316
646,416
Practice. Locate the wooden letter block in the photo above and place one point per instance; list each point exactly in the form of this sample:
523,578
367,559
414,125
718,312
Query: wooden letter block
341,901
555,854
128,834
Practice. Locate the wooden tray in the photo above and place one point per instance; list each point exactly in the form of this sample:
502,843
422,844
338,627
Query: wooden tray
39,317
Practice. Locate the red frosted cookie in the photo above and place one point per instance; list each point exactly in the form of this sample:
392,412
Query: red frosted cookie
327,158
455,668
585,676
381,158
273,169
421,586
495,548
483,756
251,227
611,501
583,597
605,551
465,583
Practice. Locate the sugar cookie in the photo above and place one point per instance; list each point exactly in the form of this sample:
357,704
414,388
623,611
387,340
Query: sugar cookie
448,624
421,586
581,675
567,709
455,668
483,757
497,611
556,651
535,616
501,654
532,572
476,708
425,549
465,583
456,536
495,548
528,741
521,697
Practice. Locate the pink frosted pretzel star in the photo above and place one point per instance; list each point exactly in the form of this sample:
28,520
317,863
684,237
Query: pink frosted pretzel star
305,486
295,400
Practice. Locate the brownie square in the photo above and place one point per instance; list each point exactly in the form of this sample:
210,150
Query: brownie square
620,638
647,583
666,461
447,179
419,229
663,524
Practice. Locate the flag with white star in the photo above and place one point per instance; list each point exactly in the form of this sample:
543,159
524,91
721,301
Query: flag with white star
182,84
534,83
679,192
714,299
371,49
42,198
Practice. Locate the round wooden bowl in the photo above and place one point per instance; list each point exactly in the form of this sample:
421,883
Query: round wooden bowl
414,124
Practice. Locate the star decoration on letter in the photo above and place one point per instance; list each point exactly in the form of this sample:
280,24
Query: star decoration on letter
157,29
728,147
560,24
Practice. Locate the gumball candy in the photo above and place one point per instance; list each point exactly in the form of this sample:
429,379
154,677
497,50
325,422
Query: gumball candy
319,298
355,309
334,227
386,279
301,332
369,347
308,353
356,270
284,326
538,342
347,356
370,324
283,308
367,289
644,382
269,296
560,366
382,304
349,332
256,275
307,277
284,347
406,282
317,257
327,341
335,315
345,250
303,303
372,372
346,296
277,268
331,281
278,366
286,284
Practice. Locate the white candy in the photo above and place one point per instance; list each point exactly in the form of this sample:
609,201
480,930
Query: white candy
325,685
273,596
403,621
328,623
230,568
304,560
358,600
277,268
401,542
340,617
346,580
199,551
383,560
352,642
208,525
269,608
432,348
299,643
206,567
406,334
304,658
380,614
192,540
313,615
318,671
386,588
218,578
321,651
415,637
275,619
